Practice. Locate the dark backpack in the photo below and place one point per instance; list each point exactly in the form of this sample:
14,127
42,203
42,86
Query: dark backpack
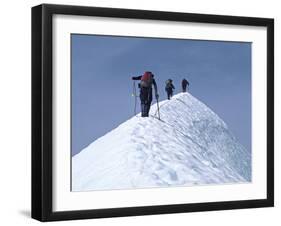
146,80
185,82
168,84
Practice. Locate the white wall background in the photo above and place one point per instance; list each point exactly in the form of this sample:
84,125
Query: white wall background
15,111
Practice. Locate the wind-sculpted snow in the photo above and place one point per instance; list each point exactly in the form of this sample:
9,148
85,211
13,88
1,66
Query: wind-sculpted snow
190,145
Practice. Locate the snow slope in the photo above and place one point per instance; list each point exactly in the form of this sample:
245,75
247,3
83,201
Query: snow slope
191,145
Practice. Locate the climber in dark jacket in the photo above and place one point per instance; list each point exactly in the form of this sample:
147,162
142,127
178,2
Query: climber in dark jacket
184,84
169,88
145,85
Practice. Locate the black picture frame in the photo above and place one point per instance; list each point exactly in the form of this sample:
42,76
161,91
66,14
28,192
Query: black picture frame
42,103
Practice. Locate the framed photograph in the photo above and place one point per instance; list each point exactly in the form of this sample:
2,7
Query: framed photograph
140,112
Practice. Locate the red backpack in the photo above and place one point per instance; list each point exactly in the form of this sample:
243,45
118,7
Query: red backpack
146,79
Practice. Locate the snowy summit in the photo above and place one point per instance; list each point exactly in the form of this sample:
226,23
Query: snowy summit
189,146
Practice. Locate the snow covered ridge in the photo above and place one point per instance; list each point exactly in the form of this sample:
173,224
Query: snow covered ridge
190,146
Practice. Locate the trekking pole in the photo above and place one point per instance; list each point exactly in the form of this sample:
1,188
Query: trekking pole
134,93
158,108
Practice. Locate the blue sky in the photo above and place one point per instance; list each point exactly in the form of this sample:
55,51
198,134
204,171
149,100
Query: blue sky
102,66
